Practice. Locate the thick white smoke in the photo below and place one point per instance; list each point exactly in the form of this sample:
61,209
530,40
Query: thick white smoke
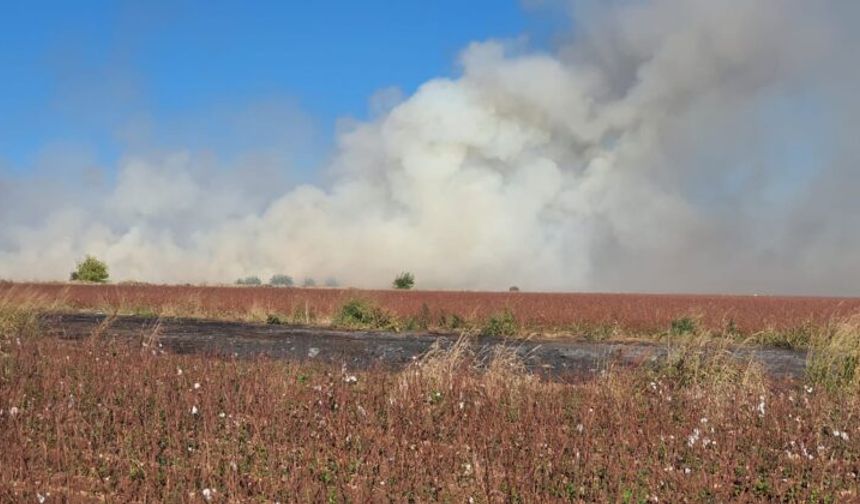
668,145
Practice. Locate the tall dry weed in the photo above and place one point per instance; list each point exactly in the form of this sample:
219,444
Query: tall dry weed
20,310
705,360
833,360
500,370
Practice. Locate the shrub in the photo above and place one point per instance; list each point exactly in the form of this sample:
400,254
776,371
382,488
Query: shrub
500,324
451,321
360,314
404,281
331,282
513,288
90,270
684,325
309,282
251,280
281,280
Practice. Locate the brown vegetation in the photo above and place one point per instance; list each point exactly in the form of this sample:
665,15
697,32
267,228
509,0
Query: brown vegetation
100,420
599,314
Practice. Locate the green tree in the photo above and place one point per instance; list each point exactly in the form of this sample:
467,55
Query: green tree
281,280
404,280
90,270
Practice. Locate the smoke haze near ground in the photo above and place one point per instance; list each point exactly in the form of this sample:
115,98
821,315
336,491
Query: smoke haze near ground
666,145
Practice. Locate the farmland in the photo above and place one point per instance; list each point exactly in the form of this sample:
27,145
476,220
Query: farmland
612,314
430,252
101,418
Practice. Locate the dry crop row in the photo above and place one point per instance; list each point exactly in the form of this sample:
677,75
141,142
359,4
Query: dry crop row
547,311
96,420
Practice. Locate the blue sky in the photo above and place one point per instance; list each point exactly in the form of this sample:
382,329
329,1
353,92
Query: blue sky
93,80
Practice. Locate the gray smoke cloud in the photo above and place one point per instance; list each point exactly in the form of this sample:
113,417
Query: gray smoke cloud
666,145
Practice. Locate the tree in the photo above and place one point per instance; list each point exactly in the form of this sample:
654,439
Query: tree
251,280
90,270
404,280
281,280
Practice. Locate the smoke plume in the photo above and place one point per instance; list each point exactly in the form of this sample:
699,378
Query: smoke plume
665,145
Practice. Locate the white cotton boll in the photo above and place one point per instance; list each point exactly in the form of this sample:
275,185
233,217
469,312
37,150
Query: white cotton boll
693,438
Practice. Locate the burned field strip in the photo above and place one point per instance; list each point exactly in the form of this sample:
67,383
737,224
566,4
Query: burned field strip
379,349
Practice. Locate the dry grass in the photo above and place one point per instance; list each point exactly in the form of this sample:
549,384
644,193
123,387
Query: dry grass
834,356
19,310
108,421
706,359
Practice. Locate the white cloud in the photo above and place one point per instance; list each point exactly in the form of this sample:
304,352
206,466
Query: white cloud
631,159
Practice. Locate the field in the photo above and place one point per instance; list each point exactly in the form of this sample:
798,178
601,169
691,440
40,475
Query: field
120,420
576,314
102,420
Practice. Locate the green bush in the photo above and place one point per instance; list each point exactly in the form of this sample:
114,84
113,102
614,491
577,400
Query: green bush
251,280
309,282
501,324
360,314
681,326
90,270
281,280
404,281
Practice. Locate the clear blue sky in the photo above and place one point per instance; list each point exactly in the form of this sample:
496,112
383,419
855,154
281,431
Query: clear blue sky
83,75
